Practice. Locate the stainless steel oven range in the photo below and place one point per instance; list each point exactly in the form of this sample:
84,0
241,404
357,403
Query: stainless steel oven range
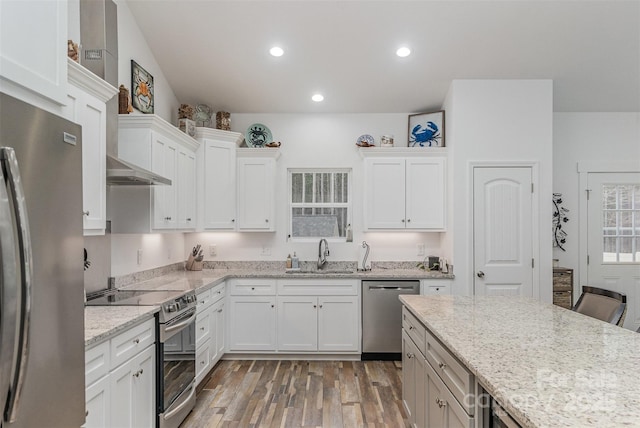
176,349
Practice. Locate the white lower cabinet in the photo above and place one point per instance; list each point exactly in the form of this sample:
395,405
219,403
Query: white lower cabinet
121,380
132,391
252,323
294,315
210,323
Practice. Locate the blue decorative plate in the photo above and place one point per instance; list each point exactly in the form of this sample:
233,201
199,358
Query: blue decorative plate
258,135
365,140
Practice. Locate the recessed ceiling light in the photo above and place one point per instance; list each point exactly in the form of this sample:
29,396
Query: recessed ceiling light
276,51
403,52
317,97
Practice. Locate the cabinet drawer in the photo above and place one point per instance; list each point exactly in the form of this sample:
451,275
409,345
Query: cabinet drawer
455,375
204,300
218,292
132,341
96,363
252,287
430,288
318,287
414,329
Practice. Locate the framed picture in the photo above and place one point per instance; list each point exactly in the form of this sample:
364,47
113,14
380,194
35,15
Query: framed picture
426,129
141,88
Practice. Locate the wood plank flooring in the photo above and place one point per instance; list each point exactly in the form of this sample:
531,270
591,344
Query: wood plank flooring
296,394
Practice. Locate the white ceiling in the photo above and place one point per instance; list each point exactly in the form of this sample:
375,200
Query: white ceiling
216,52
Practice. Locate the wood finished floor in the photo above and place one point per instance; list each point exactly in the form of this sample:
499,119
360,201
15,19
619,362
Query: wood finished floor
330,394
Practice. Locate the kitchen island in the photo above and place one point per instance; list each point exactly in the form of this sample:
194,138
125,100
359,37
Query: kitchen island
545,365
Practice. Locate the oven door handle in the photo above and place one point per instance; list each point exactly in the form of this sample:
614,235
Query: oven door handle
181,324
173,412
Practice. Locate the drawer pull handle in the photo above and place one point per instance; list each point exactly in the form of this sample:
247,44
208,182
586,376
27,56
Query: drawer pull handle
409,355
253,288
440,403
410,327
136,341
442,365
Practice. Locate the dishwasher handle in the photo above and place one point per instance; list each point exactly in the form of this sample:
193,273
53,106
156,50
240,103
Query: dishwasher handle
382,287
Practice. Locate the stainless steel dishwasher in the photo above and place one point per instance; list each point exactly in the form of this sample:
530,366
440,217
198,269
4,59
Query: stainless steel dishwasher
382,317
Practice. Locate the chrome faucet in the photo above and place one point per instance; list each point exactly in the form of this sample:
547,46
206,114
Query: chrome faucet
322,255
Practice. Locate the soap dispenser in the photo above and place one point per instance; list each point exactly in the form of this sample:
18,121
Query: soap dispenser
288,261
295,264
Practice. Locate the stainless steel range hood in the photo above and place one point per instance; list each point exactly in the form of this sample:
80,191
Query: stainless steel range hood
123,173
99,36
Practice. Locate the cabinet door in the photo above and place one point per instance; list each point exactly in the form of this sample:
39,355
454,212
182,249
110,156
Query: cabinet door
384,193
144,414
133,391
90,112
297,323
256,183
409,352
97,398
252,323
425,206
164,162
186,189
443,410
33,47
203,358
219,315
219,185
338,318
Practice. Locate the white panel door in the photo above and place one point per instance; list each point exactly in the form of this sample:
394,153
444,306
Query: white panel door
384,193
186,189
502,231
98,399
164,162
252,323
255,193
613,237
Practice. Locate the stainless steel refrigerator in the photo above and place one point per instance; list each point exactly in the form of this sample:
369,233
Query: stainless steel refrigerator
41,269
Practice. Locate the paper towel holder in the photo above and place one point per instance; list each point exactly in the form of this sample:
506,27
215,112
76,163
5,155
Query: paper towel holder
364,267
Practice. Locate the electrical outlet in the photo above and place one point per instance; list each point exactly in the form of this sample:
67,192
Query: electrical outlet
139,257
420,249
213,250
169,254
266,251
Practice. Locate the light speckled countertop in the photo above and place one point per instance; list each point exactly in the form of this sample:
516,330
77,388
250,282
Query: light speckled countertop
547,366
101,322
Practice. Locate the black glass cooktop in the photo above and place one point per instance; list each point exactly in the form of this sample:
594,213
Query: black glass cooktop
135,298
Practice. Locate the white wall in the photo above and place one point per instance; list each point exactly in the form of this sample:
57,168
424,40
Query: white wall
587,137
158,249
132,45
320,141
496,120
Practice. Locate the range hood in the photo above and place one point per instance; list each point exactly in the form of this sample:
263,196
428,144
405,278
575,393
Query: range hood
99,36
123,173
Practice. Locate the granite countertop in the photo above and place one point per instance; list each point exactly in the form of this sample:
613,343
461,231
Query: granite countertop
102,322
547,366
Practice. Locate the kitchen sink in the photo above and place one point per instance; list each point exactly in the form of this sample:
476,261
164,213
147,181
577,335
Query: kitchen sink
319,272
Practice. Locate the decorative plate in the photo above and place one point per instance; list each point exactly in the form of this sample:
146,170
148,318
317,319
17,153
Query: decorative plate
365,140
258,135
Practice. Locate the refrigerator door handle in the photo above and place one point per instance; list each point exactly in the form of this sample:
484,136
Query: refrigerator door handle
12,173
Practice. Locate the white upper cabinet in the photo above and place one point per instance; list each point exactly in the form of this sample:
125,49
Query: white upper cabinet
86,105
405,192
151,143
33,50
256,183
236,189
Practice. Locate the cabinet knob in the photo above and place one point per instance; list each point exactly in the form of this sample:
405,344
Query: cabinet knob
233,220
253,288
136,341
480,274
314,306
402,220
220,310
442,365
408,220
86,413
266,220
409,355
410,327
273,306
320,306
189,219
86,213
441,403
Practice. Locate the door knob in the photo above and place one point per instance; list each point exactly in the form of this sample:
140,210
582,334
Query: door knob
480,274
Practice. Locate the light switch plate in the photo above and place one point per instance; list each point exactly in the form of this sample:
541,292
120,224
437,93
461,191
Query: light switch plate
420,249
213,250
